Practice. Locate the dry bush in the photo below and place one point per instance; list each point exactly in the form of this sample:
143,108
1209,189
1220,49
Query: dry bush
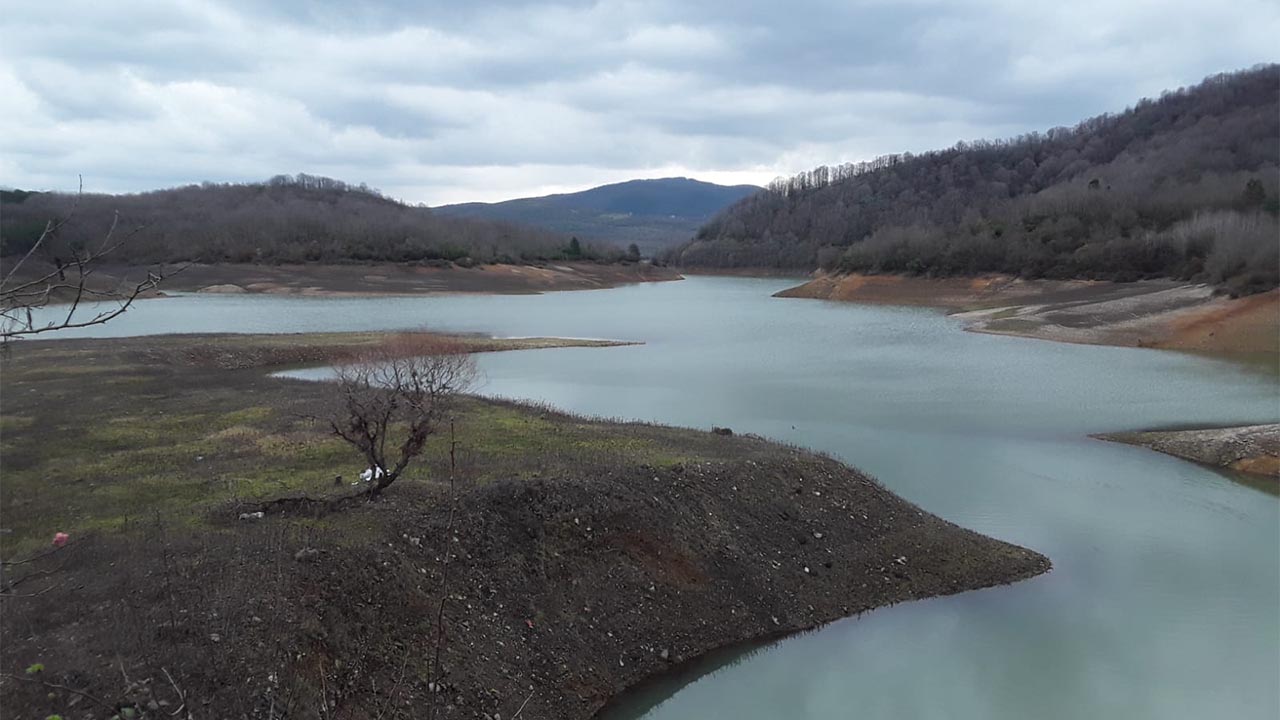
404,388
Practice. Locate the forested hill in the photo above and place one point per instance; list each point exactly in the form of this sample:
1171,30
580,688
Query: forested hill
299,218
1182,186
654,214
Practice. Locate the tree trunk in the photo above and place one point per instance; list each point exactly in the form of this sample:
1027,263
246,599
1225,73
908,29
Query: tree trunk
377,485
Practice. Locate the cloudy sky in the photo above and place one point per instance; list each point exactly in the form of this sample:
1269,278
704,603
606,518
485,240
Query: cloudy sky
442,102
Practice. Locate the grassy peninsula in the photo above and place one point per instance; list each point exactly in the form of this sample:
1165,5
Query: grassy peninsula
581,557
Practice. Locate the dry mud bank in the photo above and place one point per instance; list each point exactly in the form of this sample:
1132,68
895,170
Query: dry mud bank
1159,314
383,278
403,279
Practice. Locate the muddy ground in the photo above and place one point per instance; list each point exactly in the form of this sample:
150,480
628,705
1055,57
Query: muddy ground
574,558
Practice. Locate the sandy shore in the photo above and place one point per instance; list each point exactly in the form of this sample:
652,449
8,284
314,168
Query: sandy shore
1253,449
1153,313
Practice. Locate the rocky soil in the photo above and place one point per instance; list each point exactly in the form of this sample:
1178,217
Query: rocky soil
1253,449
559,592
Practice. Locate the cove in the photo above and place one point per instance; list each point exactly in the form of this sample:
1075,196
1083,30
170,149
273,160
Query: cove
1166,583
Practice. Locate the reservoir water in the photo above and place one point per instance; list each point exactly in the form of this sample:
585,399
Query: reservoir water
1164,600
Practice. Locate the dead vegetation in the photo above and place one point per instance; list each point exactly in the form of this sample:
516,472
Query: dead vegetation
399,391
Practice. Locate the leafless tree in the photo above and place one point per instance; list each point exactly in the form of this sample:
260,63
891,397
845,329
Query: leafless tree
63,281
392,397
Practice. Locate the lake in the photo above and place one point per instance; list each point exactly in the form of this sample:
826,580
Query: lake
1164,600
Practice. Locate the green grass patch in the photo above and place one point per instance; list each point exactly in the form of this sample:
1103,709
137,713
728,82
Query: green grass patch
15,422
102,434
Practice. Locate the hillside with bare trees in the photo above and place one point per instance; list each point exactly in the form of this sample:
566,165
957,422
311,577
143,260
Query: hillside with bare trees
1184,186
287,219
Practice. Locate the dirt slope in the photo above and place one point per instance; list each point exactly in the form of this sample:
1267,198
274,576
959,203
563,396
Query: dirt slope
1161,314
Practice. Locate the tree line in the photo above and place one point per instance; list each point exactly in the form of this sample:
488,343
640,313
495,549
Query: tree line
1183,186
287,219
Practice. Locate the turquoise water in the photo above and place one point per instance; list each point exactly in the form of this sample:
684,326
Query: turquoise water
1164,601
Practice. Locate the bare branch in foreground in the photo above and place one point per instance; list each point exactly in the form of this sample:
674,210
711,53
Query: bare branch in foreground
52,297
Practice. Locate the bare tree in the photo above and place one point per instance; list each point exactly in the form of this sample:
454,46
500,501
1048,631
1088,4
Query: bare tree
43,277
393,397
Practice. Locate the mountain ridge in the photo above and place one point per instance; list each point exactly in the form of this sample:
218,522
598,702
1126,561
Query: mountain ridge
653,213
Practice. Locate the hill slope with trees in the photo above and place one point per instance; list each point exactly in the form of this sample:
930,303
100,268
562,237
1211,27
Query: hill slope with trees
1184,186
287,219
653,214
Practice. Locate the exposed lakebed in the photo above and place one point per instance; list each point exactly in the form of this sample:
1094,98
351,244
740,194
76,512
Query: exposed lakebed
1163,599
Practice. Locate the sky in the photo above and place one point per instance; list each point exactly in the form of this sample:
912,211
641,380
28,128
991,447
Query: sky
484,100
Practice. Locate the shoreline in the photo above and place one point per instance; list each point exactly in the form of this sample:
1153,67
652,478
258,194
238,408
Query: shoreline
394,279
1160,314
584,562
383,279
1250,449
691,669
749,272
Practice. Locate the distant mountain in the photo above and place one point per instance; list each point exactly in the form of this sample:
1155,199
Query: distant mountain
1182,186
653,214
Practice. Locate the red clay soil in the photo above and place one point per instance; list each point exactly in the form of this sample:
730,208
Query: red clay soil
1245,325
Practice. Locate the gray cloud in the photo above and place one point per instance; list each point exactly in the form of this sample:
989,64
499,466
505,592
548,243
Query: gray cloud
445,101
